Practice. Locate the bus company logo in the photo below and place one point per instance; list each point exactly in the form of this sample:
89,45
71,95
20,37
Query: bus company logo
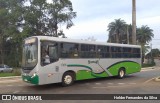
90,62
6,97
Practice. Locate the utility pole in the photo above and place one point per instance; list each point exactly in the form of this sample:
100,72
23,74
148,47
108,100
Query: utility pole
152,59
151,50
127,35
134,22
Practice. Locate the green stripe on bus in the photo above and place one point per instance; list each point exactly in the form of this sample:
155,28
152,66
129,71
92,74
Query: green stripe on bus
130,66
85,74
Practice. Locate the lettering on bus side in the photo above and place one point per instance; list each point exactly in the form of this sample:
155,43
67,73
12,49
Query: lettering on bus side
90,62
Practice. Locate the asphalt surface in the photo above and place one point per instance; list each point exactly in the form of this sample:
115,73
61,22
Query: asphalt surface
138,83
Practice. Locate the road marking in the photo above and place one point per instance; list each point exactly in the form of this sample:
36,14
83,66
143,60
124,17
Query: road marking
150,80
9,85
110,83
98,83
109,86
121,83
16,92
118,86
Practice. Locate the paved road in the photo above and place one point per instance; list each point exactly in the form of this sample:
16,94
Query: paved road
138,83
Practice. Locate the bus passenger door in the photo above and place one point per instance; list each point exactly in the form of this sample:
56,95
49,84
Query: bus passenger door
49,58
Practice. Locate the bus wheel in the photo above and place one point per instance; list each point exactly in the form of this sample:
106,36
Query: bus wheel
121,73
67,79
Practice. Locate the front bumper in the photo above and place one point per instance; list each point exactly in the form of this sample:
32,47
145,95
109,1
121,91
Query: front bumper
31,79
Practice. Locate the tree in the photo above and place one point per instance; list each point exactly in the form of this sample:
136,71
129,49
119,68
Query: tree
116,30
60,12
42,18
3,22
155,53
144,36
34,18
23,18
126,37
10,17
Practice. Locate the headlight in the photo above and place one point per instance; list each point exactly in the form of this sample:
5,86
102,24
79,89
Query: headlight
34,75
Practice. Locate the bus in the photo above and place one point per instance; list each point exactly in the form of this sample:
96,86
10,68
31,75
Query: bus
47,60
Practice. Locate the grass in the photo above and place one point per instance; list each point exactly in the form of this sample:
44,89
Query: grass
148,65
16,72
7,74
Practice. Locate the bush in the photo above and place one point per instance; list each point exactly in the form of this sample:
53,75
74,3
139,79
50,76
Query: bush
17,71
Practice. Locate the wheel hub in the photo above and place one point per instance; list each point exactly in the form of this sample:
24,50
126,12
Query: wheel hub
121,73
68,79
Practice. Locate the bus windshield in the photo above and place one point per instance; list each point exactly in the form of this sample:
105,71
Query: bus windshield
30,56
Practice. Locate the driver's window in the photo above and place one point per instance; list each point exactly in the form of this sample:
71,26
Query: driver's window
49,52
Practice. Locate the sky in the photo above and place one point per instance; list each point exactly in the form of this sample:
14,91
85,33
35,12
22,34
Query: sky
93,17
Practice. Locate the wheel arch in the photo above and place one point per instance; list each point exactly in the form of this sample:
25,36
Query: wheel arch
68,78
71,71
124,68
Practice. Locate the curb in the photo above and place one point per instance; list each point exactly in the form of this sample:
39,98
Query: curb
157,79
148,68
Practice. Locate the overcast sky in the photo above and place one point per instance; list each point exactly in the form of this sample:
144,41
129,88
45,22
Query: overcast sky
93,17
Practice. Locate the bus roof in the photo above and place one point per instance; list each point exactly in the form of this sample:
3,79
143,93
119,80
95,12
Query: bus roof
83,41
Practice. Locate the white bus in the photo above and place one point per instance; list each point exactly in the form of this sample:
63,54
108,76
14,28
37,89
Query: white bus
52,60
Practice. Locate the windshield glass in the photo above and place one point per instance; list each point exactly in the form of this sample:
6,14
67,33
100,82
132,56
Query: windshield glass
30,55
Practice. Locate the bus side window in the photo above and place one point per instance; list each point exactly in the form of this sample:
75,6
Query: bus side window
49,52
69,50
136,53
88,51
75,52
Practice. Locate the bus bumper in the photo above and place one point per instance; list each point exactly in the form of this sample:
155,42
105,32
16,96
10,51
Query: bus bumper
31,79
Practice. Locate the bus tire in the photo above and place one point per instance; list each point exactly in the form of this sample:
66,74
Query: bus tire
121,73
67,79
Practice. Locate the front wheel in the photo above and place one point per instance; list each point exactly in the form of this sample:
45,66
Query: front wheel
121,73
67,79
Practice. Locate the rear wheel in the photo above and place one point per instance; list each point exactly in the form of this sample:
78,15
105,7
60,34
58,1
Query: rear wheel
67,79
121,73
